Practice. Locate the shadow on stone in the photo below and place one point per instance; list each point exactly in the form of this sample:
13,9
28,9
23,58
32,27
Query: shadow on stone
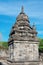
1,63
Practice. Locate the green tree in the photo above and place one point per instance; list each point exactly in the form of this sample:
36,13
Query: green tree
5,45
41,45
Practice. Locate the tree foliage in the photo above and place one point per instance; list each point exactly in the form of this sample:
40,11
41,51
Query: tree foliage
41,45
4,44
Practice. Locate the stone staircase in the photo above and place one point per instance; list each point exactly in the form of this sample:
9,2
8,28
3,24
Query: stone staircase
5,62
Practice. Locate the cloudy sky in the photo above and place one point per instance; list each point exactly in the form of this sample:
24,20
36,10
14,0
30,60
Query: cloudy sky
9,10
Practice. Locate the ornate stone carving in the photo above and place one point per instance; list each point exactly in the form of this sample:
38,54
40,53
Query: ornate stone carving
24,40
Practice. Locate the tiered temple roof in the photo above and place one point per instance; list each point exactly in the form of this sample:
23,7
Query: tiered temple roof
21,30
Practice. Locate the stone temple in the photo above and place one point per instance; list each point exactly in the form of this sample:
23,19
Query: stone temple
23,41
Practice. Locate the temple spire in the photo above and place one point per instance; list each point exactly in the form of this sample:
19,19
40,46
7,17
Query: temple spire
22,9
34,26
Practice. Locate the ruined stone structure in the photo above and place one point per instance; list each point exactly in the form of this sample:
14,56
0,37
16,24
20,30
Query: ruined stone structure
23,41
3,52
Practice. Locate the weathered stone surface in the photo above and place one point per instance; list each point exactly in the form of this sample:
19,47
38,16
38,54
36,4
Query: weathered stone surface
25,51
23,42
6,62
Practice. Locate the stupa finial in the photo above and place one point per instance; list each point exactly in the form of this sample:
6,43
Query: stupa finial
34,26
22,9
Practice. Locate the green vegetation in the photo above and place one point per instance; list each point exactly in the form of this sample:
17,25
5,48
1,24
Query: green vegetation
4,44
41,45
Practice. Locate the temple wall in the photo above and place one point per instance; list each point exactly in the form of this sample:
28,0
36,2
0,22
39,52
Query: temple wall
25,51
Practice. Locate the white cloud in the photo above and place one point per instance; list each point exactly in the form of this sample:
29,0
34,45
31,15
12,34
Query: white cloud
0,36
13,8
40,32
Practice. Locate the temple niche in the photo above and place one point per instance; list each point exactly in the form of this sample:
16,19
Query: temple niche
23,42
